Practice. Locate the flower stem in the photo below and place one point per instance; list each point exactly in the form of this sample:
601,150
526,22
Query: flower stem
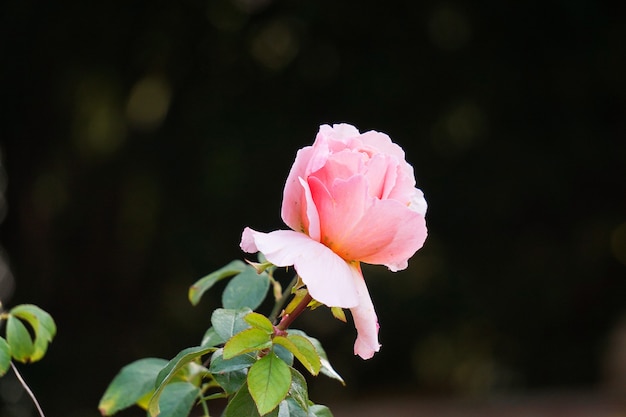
289,318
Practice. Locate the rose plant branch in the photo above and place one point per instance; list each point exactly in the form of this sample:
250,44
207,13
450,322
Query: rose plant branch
30,393
289,318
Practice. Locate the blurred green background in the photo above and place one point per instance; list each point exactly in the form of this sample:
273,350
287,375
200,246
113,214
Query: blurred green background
139,138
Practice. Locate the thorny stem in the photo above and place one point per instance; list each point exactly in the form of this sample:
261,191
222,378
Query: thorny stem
28,390
289,318
283,299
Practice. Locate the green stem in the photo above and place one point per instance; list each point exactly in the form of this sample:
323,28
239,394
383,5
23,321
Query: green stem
205,407
283,299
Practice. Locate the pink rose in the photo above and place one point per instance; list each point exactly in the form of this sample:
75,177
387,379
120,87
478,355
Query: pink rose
349,198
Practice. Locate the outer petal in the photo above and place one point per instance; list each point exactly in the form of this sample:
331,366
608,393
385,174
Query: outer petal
311,221
292,211
308,159
418,203
341,132
365,321
329,279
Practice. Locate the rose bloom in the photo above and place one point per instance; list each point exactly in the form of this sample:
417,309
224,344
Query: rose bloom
349,198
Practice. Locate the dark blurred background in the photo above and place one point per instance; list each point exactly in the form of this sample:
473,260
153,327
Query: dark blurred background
139,138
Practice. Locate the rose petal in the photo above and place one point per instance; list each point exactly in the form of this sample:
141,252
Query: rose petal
247,241
312,221
382,143
329,279
338,132
381,174
292,211
418,203
361,228
365,321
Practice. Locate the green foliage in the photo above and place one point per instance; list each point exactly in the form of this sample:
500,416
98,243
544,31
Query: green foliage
242,404
299,391
5,356
43,327
289,407
249,340
220,365
22,347
22,344
326,369
248,289
259,321
227,323
25,344
130,385
302,349
318,410
242,356
177,399
167,374
230,374
204,284
269,380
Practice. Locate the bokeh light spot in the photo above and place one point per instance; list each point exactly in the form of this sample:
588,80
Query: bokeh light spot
99,128
148,103
225,17
275,45
448,28
459,128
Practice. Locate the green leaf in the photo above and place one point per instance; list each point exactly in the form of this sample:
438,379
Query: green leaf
228,322
290,408
269,380
44,328
5,356
19,340
299,390
339,314
204,284
247,341
241,404
171,369
133,382
231,382
259,321
219,365
211,338
327,369
317,410
177,399
248,289
39,319
284,354
302,349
